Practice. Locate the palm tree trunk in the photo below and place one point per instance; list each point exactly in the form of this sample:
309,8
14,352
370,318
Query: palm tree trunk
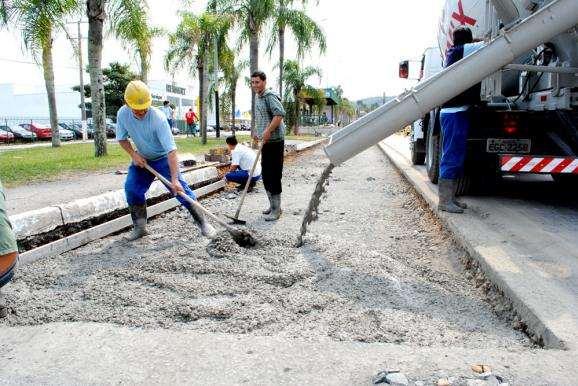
281,59
233,102
49,82
202,65
297,111
96,15
254,65
144,67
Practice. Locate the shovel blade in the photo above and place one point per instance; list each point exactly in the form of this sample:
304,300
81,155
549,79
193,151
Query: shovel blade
236,221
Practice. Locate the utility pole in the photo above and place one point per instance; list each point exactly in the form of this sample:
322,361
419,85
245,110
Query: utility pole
81,73
216,79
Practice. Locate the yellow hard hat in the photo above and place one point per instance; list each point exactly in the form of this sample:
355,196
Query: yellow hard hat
137,95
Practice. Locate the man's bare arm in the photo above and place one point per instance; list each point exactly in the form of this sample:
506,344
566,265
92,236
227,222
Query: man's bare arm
137,159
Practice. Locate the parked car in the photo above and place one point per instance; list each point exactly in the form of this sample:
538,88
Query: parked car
65,135
110,130
20,133
41,131
6,136
76,128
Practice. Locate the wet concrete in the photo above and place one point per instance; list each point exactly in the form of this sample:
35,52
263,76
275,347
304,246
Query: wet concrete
376,267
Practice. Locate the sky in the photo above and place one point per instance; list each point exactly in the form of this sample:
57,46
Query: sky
366,39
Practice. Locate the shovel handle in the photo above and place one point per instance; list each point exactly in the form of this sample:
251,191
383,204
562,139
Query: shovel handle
238,212
189,199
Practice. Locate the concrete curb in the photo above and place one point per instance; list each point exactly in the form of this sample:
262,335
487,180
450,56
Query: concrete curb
47,219
44,220
297,148
81,238
493,262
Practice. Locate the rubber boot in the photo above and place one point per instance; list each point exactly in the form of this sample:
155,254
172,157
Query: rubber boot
207,229
138,213
268,210
276,211
446,190
462,205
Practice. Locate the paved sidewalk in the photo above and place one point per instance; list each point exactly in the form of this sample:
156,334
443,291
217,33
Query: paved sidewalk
525,239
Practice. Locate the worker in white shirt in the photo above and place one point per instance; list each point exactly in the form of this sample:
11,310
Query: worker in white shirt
242,160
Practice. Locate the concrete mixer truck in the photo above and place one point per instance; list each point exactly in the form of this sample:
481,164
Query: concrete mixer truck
527,121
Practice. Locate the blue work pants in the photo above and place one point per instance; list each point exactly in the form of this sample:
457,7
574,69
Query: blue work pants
139,181
240,176
455,126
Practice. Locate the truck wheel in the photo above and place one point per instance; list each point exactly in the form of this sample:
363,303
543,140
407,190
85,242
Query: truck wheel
417,157
432,159
464,185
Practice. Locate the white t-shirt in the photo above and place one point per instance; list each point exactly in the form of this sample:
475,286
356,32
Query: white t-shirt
245,157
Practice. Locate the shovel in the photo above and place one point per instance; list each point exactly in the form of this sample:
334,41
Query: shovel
241,237
236,219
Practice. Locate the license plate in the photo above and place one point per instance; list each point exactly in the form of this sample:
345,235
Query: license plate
512,146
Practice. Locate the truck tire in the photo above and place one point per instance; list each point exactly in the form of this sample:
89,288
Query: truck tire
432,156
417,157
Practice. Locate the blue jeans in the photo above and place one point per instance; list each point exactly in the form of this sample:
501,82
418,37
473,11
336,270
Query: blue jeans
455,127
139,181
240,176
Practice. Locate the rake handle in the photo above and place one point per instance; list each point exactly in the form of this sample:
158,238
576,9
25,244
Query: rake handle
238,212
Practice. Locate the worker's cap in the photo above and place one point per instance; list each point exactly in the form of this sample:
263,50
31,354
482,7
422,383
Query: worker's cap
137,95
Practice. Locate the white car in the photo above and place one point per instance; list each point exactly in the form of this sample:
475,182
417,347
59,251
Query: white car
65,135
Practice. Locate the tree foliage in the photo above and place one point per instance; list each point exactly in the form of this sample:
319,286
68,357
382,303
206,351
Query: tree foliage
116,77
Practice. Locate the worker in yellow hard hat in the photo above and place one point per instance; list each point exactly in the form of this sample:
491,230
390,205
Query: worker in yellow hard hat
150,133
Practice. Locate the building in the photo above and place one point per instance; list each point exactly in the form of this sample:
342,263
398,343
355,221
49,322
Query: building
328,115
31,102
181,96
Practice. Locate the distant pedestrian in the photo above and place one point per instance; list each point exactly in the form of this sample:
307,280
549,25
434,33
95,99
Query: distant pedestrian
455,123
8,251
166,109
242,160
191,119
148,129
269,128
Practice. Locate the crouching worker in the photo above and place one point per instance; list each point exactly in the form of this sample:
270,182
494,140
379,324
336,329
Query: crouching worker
242,160
150,132
8,251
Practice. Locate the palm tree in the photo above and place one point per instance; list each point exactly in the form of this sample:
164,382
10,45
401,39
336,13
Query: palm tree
232,71
251,16
129,23
39,20
296,79
305,30
190,47
96,11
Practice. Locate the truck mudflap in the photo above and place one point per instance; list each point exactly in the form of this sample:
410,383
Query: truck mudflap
538,164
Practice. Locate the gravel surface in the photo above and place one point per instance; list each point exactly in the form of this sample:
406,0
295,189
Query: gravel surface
375,267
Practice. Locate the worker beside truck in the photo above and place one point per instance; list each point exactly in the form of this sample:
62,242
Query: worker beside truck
455,123
8,251
149,130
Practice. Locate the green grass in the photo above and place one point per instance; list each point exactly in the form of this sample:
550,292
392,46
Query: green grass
18,167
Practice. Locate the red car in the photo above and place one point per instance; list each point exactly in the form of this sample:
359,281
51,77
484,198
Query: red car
6,136
42,132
